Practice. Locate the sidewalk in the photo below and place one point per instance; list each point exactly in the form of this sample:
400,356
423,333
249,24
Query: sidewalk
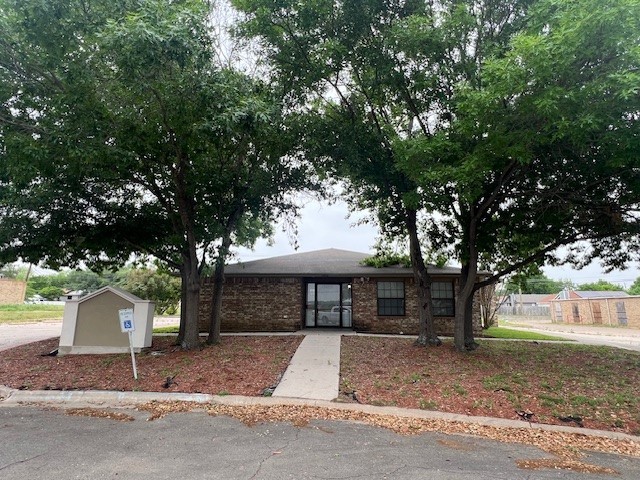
314,370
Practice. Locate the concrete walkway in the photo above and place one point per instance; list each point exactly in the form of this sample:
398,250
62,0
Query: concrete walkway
314,370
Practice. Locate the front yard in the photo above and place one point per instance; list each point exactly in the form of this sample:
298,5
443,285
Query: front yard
597,387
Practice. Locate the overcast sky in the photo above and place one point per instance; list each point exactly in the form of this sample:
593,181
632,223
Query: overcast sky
326,226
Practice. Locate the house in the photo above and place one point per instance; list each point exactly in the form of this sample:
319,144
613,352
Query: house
71,295
532,304
328,288
571,294
613,308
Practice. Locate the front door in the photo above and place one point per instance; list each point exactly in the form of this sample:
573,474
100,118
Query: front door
328,305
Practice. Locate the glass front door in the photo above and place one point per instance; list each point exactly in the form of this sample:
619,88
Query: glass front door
328,305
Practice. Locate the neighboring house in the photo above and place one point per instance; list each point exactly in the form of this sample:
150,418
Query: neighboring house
72,295
533,304
328,288
598,308
570,294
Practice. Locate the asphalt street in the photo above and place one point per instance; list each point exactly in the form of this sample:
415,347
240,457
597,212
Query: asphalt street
44,443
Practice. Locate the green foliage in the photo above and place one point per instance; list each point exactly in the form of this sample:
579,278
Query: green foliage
600,285
162,288
9,271
30,313
482,116
535,284
635,288
139,144
51,292
84,280
387,260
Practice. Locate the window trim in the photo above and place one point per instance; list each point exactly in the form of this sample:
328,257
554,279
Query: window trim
402,306
451,299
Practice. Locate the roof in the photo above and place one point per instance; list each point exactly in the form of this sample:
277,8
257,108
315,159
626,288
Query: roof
601,294
118,291
331,262
528,298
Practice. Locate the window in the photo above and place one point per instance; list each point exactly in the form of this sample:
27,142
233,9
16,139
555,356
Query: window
443,300
391,298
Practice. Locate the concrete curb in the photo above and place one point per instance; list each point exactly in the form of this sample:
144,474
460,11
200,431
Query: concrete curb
109,399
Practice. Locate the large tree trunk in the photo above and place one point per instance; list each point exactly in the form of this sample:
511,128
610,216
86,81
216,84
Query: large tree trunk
183,303
216,303
469,338
218,290
218,278
191,338
463,332
427,333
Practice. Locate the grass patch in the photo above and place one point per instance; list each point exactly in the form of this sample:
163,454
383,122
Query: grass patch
171,329
510,334
30,313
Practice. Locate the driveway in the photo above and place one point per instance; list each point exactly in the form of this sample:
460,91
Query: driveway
43,444
620,337
14,334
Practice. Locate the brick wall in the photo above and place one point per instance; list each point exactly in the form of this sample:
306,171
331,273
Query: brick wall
255,304
12,291
276,304
366,318
600,311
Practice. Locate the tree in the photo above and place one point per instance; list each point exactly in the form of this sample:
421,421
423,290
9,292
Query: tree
161,288
635,288
51,292
543,159
537,283
509,126
121,136
599,286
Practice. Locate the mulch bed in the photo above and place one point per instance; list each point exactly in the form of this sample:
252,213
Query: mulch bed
239,365
574,385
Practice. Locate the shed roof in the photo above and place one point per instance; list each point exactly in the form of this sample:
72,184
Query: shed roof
118,291
330,262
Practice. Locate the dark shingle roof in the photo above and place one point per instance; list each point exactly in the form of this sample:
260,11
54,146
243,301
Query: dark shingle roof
323,263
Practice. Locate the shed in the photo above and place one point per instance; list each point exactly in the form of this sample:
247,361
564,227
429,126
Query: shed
91,324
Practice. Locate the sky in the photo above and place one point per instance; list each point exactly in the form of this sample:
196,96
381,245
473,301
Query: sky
327,226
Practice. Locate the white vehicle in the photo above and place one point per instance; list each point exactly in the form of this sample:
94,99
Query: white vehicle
331,318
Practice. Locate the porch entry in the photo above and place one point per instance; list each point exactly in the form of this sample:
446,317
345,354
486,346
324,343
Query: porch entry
328,305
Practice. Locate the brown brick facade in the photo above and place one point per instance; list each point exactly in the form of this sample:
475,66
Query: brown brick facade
270,304
12,291
366,318
615,311
255,304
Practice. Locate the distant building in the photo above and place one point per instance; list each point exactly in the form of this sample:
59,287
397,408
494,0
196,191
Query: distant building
72,295
568,294
613,308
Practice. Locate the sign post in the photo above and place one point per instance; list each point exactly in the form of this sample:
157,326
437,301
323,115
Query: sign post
127,326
